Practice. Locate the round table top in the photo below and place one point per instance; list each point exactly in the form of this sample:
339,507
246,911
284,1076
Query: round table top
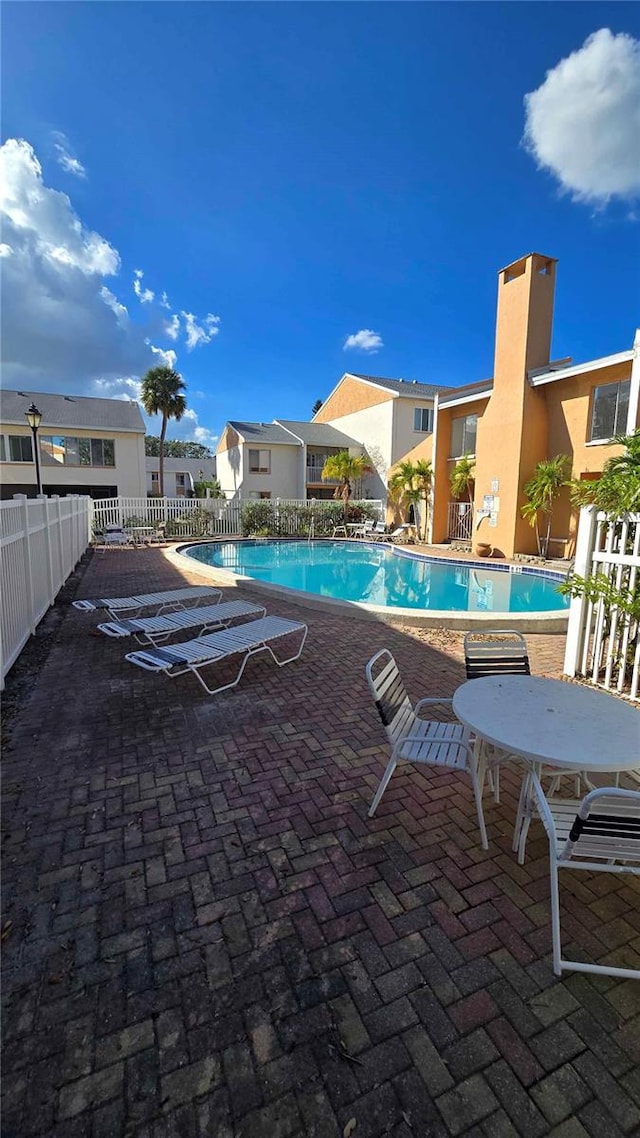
550,721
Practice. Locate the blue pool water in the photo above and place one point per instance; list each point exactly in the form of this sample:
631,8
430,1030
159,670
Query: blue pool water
379,575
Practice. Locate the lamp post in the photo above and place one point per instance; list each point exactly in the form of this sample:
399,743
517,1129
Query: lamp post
34,418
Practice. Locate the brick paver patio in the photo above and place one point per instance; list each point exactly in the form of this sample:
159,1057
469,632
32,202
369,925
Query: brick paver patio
204,935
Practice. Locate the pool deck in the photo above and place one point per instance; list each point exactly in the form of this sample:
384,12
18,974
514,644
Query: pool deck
205,936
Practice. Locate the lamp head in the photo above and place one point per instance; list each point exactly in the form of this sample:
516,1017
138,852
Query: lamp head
34,417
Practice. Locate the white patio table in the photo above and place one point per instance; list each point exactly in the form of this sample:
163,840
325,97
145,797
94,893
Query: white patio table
550,723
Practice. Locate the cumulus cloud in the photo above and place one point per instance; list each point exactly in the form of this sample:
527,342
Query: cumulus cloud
172,327
366,340
583,123
199,334
144,295
164,301
65,156
64,327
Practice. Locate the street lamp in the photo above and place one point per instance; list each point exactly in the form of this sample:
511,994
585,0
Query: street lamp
34,418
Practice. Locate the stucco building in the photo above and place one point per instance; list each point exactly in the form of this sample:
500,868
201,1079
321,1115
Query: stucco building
86,446
532,409
180,475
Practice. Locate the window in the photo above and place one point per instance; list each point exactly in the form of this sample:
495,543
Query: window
260,461
181,485
609,410
423,419
463,436
155,482
20,449
66,450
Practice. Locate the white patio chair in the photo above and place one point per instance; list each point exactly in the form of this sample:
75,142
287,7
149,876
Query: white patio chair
599,834
400,534
494,652
169,598
365,529
155,629
245,640
413,739
378,533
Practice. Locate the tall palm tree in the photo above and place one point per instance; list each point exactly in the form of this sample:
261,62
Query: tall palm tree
463,477
161,394
549,477
410,484
345,468
316,407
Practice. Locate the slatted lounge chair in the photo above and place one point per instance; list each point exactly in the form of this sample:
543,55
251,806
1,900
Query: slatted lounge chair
400,534
365,529
378,533
245,640
601,833
170,598
414,739
155,629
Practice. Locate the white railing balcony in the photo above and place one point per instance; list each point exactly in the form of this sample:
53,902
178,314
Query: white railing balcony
314,475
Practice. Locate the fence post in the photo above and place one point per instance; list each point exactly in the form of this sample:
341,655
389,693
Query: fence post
576,630
26,545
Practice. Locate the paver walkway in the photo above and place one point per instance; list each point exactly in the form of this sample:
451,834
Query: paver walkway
209,938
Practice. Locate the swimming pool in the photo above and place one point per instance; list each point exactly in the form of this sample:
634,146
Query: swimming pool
385,577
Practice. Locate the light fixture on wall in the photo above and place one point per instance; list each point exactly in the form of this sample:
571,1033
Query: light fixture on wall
34,418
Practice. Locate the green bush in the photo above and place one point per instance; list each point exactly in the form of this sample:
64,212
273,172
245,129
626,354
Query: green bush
267,518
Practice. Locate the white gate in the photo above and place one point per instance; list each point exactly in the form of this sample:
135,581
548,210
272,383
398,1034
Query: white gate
460,521
603,640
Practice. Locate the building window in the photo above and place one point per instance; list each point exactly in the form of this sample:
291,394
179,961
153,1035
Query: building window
20,449
181,485
155,482
260,461
463,436
66,450
609,410
423,419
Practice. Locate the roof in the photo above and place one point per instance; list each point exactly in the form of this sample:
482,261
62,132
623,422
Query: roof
318,434
467,391
409,387
263,433
70,411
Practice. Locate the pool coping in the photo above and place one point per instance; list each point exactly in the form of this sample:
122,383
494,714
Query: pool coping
543,622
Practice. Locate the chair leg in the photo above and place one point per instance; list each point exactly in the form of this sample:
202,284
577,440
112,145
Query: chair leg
555,918
384,782
477,793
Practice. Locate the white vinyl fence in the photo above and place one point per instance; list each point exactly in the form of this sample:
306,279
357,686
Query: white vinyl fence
202,517
603,642
41,540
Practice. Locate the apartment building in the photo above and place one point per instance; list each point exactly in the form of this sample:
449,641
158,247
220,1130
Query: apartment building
532,408
85,446
180,475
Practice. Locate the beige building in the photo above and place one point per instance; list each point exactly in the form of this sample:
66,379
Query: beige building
180,475
532,409
86,446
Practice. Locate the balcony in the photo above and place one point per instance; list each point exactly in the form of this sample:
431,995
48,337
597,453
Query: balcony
314,476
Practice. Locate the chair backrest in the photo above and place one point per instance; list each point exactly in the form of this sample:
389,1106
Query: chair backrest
605,828
379,527
496,653
368,525
392,701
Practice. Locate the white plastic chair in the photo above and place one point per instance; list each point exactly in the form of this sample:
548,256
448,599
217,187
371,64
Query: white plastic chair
602,835
413,739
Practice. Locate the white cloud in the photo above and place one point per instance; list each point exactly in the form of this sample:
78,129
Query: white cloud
198,334
172,327
119,310
366,340
65,157
5,250
583,122
144,295
128,388
164,357
164,301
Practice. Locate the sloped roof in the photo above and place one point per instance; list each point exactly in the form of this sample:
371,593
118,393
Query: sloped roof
409,387
318,434
264,433
466,391
71,411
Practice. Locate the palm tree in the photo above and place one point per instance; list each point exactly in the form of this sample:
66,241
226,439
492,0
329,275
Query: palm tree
345,468
617,490
316,407
410,484
161,394
549,477
463,477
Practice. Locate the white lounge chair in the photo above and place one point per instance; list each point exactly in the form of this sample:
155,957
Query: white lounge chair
170,598
601,833
155,629
378,533
435,743
245,640
365,529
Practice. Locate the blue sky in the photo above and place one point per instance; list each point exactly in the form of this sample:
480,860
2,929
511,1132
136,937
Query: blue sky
305,173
